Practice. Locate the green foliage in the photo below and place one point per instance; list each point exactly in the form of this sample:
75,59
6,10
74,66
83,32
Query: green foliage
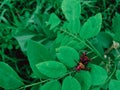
67,56
98,74
52,35
72,14
37,53
53,21
70,83
90,29
114,85
118,74
84,79
115,25
51,85
52,69
8,77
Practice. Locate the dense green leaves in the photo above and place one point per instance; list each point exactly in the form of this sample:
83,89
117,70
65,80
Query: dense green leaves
51,85
91,27
66,40
52,69
114,85
70,83
53,20
84,79
22,38
67,55
8,77
37,53
98,74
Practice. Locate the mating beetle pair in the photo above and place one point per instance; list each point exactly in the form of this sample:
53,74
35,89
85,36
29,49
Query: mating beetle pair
84,60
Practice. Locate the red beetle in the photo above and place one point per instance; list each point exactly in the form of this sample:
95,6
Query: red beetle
81,66
84,60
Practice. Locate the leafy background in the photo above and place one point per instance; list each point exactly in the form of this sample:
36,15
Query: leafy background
41,40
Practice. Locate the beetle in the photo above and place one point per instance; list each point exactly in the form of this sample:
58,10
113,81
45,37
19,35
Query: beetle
81,66
84,60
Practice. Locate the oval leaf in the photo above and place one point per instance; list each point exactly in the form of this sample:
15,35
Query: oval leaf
53,20
114,85
67,55
98,74
71,9
8,77
52,69
37,53
92,27
84,79
70,83
52,85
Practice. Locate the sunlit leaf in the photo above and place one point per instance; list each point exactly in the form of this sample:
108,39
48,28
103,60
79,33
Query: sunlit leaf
91,27
71,9
52,69
67,55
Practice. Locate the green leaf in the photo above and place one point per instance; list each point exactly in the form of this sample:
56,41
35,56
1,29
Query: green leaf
22,37
71,9
104,39
84,79
92,27
37,53
73,26
66,40
52,69
51,85
53,21
118,74
114,85
116,23
98,74
67,55
8,77
70,83
117,37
